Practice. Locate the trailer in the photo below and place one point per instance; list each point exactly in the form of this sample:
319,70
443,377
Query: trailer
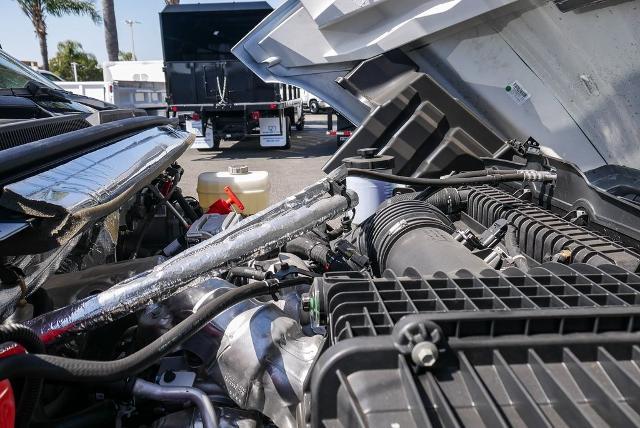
126,84
217,96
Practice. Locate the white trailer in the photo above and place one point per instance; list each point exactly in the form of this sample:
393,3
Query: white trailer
127,84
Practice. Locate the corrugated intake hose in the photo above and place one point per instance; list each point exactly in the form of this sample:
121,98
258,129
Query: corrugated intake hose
449,200
522,175
32,386
72,370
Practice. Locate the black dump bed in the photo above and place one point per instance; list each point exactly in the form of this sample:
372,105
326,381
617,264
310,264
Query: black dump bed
200,68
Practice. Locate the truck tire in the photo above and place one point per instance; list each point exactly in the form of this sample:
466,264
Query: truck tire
314,107
216,142
287,128
300,125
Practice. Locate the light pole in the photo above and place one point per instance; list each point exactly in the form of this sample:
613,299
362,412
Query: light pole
131,23
74,65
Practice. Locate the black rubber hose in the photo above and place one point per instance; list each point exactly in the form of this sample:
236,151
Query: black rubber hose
72,370
245,272
186,208
32,387
513,249
311,249
453,181
449,200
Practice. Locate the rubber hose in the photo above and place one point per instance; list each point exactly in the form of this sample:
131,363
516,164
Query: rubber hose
186,208
543,176
310,248
449,200
245,272
32,387
513,249
72,370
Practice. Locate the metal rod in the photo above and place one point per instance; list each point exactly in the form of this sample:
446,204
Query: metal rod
152,391
258,234
169,205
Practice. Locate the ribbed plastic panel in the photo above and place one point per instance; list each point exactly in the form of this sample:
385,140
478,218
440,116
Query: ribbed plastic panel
543,234
19,133
558,346
563,386
355,305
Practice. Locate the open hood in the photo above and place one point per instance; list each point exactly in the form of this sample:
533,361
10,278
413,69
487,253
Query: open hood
564,72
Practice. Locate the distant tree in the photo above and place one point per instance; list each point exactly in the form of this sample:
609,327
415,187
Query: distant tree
71,51
125,56
168,2
37,11
110,29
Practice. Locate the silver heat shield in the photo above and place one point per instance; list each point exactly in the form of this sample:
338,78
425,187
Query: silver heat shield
255,235
69,196
256,350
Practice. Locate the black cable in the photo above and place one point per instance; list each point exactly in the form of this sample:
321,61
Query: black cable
72,370
32,386
454,181
483,172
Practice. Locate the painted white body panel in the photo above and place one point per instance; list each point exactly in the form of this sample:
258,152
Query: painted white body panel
580,69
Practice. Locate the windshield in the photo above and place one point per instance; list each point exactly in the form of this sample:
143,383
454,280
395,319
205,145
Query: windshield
14,74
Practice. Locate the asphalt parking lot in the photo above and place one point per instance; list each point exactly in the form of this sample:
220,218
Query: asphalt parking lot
289,170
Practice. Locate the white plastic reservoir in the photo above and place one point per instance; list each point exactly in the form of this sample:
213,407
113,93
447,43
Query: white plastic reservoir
371,193
251,187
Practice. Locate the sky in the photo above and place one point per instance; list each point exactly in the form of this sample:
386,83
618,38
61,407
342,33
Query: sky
18,39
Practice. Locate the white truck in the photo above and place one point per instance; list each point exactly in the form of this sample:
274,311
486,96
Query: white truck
127,84
313,102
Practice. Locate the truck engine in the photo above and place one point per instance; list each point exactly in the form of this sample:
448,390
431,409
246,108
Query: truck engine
439,275
460,296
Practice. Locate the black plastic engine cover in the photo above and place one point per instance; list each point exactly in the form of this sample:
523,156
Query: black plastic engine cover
557,346
543,233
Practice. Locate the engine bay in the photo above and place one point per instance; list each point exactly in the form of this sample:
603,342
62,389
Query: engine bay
465,282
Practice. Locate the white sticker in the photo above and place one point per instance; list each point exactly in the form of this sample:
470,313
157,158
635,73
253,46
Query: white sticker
517,93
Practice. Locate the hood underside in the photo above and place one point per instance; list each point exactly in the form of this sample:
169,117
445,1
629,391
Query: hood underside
562,72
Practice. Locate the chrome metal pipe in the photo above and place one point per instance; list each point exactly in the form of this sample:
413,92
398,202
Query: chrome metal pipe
153,391
259,234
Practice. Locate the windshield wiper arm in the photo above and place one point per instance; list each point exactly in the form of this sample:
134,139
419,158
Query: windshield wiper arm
39,91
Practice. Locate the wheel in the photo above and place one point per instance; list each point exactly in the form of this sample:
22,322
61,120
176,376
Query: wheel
287,128
314,107
300,125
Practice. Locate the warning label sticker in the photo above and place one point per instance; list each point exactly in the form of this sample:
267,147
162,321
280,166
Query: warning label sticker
517,93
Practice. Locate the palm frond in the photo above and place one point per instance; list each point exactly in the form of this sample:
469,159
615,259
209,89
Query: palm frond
70,7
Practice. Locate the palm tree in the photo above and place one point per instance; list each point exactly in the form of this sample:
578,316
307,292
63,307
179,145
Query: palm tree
37,11
110,29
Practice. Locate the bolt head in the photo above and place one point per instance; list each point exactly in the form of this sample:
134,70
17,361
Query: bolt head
425,354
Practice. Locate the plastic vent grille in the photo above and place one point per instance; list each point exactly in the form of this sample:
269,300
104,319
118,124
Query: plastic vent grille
565,386
543,234
359,306
17,134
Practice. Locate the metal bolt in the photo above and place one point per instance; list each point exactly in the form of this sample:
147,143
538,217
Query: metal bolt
425,354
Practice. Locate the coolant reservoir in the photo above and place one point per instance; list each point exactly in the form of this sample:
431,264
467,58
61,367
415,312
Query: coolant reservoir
371,193
251,187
